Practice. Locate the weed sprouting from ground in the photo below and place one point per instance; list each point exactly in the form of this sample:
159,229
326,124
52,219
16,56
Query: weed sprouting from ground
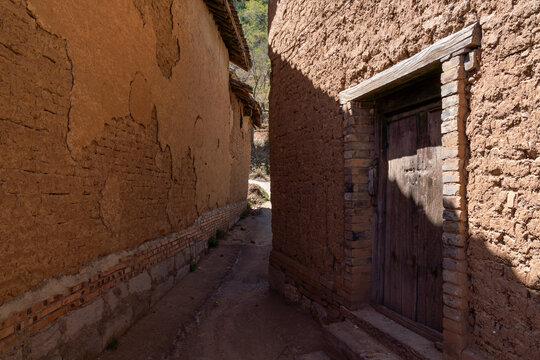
246,212
213,242
192,266
220,234
112,345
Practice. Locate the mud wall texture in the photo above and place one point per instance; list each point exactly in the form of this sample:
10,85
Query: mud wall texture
78,322
321,48
106,132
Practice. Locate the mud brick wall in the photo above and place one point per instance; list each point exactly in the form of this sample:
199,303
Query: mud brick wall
107,143
106,135
82,320
321,48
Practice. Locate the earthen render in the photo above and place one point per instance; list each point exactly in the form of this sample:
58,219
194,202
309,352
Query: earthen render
124,148
323,158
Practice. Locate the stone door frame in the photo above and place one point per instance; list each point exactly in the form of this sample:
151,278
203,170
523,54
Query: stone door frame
457,54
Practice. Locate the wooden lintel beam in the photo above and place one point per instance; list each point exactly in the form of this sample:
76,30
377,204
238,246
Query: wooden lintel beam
454,44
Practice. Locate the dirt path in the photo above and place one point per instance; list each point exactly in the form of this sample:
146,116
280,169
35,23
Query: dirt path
264,184
239,317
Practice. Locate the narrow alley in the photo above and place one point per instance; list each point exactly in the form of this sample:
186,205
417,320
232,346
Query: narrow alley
139,141
224,309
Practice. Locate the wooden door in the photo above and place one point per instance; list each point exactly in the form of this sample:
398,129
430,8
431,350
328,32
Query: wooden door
412,220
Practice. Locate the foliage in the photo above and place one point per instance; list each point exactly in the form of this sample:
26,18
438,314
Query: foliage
213,242
260,154
220,234
253,15
113,345
246,212
192,266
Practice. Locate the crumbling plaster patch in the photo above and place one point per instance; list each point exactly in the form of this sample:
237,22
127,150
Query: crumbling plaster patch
102,158
174,83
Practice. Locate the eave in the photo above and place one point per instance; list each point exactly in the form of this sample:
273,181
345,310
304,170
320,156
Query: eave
251,106
230,28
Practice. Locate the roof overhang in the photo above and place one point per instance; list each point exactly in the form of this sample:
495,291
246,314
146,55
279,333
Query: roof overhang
230,28
251,106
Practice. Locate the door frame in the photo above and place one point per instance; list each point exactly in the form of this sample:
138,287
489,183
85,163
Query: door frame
458,57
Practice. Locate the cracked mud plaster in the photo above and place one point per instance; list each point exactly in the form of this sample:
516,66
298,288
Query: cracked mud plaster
99,144
161,15
308,38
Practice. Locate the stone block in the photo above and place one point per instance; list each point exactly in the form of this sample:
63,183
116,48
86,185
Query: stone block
140,283
87,345
453,252
449,152
161,290
458,327
115,295
89,315
180,259
452,100
456,227
449,126
291,293
451,176
451,63
160,271
450,140
452,202
453,239
454,265
453,73
453,215
181,273
359,163
511,199
451,164
454,290
116,325
455,277
453,112
453,87
451,189
44,342
319,312
457,315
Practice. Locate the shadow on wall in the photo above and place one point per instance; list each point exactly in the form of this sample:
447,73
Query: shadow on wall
307,157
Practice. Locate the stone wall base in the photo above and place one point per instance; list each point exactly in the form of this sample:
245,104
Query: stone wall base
87,311
304,288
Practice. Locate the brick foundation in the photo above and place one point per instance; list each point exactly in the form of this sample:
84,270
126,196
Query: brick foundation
138,279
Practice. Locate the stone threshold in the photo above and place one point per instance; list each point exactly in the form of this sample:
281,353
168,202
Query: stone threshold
401,340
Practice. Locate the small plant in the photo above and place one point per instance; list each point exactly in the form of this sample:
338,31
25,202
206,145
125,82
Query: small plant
246,212
192,266
220,234
213,242
112,345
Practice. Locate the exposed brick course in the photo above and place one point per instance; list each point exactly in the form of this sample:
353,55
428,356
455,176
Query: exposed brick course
193,239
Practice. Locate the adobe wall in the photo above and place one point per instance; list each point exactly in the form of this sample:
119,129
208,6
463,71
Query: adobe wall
321,48
107,137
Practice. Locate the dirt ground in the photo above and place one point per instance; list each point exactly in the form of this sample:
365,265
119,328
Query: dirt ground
228,297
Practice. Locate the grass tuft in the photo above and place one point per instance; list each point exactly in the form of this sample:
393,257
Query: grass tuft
213,242
220,234
112,345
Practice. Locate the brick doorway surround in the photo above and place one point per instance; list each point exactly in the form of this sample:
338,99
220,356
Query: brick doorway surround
458,55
